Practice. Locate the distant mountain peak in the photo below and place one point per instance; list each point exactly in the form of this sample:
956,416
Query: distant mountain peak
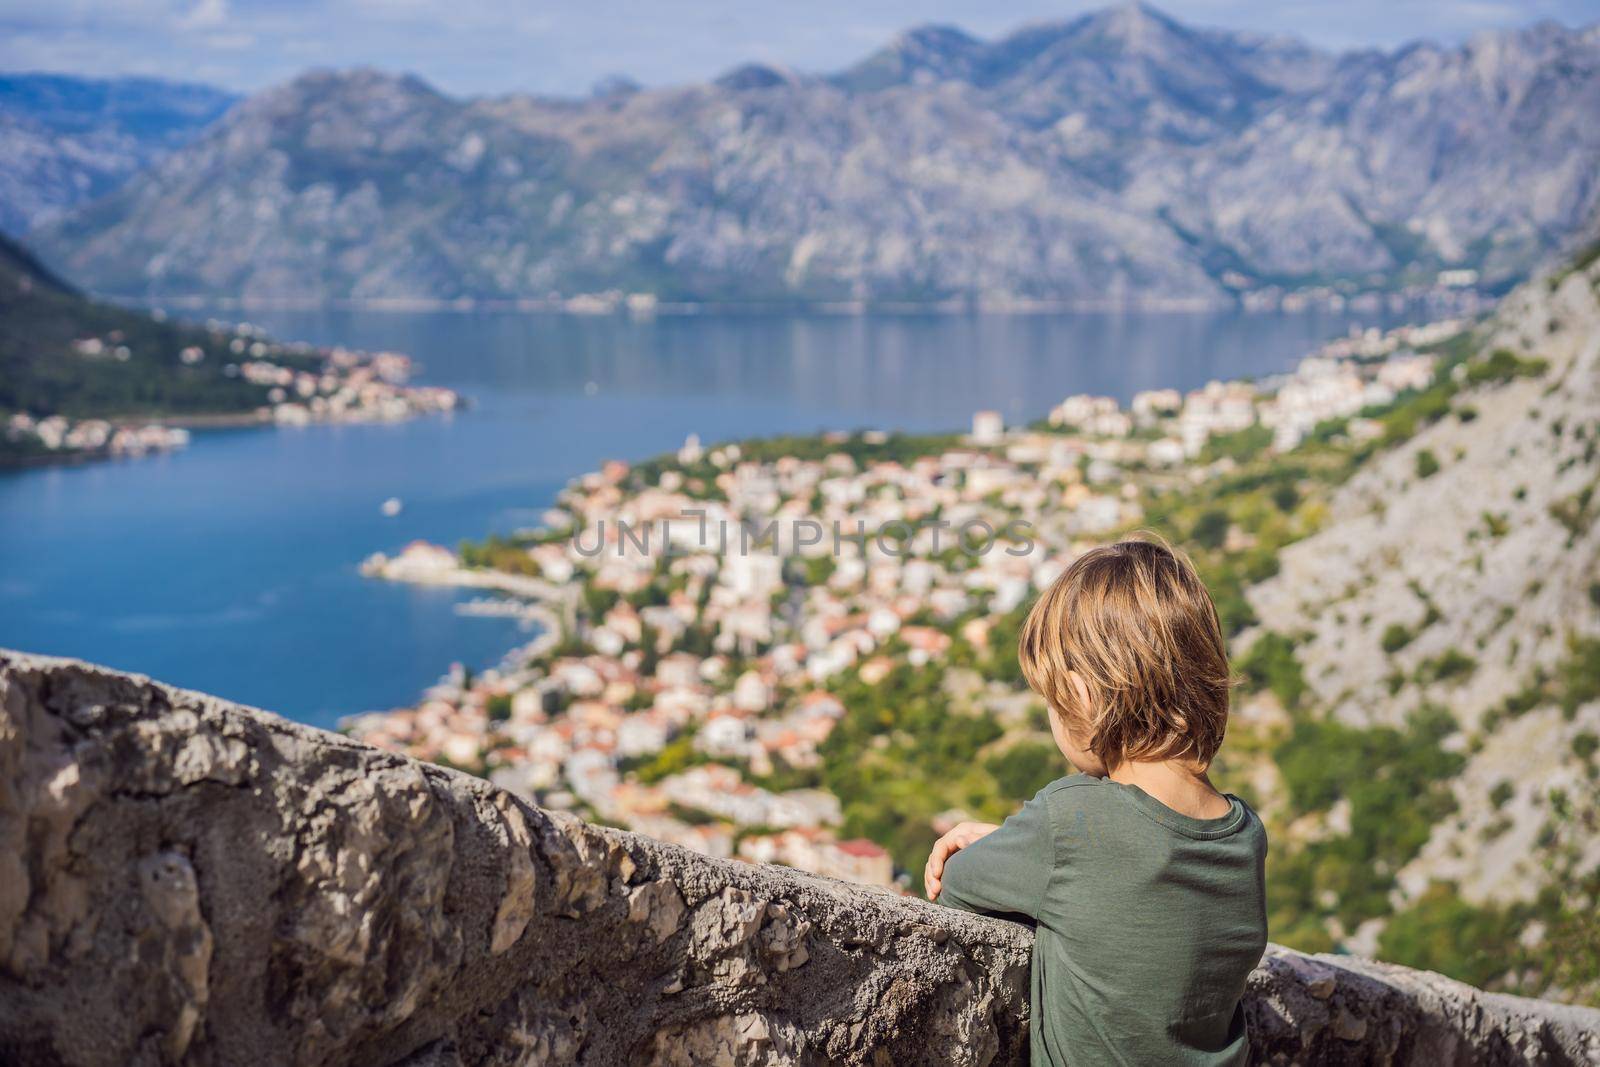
934,37
614,85
756,76
923,53
1134,28
1133,18
363,79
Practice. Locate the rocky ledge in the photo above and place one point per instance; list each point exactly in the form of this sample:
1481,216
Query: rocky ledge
186,880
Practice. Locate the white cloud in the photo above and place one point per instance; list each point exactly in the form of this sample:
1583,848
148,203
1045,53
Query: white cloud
205,15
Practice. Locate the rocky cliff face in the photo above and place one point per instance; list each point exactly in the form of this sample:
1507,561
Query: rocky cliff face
1119,158
185,880
1459,571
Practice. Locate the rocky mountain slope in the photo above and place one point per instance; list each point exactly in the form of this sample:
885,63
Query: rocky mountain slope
1119,158
189,881
1459,574
66,140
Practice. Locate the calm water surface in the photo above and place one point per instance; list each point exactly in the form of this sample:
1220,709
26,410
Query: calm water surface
231,567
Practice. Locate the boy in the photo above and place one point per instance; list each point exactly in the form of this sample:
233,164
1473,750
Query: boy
1143,882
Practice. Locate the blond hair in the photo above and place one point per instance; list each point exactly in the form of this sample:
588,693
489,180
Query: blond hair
1136,624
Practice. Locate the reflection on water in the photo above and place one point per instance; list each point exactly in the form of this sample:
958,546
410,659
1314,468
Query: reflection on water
912,370
231,567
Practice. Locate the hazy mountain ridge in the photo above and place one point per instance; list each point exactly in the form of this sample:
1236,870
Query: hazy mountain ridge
65,140
1119,158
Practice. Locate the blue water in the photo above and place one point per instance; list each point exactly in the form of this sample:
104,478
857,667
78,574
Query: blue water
231,567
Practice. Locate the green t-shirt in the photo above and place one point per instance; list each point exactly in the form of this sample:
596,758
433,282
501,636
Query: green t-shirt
1148,922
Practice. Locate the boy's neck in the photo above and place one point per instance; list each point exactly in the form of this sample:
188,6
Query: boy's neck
1179,784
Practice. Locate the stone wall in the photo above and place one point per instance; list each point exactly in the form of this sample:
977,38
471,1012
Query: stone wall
186,880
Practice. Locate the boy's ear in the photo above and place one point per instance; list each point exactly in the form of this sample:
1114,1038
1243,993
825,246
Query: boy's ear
1080,692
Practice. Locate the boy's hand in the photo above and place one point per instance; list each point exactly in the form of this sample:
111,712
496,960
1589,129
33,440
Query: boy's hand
957,839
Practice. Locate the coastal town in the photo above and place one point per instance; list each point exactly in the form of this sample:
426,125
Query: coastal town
1454,292
299,384
705,616
58,435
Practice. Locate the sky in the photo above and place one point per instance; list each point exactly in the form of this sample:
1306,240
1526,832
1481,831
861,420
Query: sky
492,46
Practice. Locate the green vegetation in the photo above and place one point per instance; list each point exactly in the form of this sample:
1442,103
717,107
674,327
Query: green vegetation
1211,528
1427,464
1577,677
1503,365
1585,258
1576,512
1000,661
1584,746
678,756
1441,932
1574,682
1395,782
1415,411
1026,767
1395,637
1240,446
903,753
1450,665
1251,500
1551,943
1271,664
137,373
498,553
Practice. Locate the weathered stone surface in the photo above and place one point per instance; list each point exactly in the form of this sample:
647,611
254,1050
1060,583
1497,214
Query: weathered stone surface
185,880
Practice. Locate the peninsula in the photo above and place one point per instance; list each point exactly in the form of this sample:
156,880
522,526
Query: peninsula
81,379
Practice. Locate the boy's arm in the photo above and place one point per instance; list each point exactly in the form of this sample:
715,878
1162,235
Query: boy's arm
1007,871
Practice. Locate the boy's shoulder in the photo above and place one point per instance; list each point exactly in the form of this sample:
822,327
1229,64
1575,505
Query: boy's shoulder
1073,789
1066,803
1071,781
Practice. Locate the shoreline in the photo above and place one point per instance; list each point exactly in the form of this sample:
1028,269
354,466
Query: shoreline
644,306
379,565
349,388
254,420
218,421
531,601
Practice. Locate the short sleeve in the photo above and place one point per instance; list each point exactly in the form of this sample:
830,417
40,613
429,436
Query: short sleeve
1008,871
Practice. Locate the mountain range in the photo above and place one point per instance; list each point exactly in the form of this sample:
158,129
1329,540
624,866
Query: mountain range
1120,158
66,140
